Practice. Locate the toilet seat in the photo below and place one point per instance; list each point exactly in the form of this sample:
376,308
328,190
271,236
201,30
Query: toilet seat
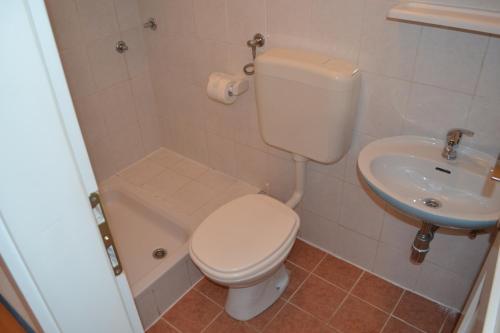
244,239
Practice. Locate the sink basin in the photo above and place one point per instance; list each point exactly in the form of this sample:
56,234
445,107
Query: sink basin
410,173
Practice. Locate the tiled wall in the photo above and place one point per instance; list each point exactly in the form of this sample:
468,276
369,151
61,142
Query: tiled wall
416,80
112,92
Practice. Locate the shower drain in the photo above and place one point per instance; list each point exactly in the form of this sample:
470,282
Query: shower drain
159,253
432,203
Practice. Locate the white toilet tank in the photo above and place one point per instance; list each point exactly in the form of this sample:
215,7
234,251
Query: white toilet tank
306,102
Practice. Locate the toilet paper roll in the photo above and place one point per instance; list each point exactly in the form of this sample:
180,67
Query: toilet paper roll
219,88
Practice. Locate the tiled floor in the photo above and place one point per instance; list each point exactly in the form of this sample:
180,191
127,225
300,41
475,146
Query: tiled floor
325,294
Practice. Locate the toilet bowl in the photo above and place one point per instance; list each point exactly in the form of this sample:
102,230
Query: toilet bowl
243,245
306,105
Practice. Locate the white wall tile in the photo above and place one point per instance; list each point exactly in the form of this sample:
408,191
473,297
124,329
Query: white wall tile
127,12
135,56
361,211
210,19
382,105
211,56
443,286
179,18
395,265
90,117
450,59
221,154
108,66
147,113
220,119
433,111
336,169
387,47
97,18
99,153
117,107
294,22
468,254
484,120
281,177
77,70
245,18
65,23
398,230
338,23
323,195
192,142
357,248
320,231
251,165
489,80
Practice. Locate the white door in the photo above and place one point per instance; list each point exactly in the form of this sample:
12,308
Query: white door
49,237
482,311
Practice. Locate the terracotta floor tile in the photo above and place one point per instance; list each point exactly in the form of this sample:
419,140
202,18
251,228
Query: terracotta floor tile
450,322
338,272
421,312
397,326
378,292
265,317
192,313
293,320
215,292
318,297
305,255
356,316
225,324
297,276
161,326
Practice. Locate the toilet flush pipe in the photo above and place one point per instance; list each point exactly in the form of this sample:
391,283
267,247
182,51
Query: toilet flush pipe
300,181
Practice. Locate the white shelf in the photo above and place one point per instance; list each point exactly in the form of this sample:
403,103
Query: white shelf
447,16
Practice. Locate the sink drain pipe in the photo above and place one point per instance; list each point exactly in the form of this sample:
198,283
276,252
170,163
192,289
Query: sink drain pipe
421,244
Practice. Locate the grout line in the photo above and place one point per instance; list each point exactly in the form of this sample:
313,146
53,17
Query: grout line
393,310
212,321
481,68
169,324
273,317
349,293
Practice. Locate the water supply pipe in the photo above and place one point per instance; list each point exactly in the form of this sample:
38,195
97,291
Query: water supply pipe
300,181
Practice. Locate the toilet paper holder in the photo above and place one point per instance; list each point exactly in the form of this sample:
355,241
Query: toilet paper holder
239,87
257,41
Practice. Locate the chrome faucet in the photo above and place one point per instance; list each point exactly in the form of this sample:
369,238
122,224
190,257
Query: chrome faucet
453,138
495,171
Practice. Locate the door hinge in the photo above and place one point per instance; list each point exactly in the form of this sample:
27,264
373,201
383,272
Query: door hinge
107,237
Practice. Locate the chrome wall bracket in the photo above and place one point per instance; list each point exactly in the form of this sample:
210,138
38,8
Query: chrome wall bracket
257,41
121,46
150,24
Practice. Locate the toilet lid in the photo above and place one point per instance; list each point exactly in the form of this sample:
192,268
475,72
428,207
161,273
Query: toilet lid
243,233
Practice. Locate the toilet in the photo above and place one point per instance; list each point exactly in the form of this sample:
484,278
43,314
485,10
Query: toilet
306,105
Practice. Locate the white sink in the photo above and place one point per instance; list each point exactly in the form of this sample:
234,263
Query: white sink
410,173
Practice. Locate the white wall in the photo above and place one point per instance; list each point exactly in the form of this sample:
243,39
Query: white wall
416,80
112,92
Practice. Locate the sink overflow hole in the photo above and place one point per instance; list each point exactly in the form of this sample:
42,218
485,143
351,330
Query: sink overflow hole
432,203
443,170
159,253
